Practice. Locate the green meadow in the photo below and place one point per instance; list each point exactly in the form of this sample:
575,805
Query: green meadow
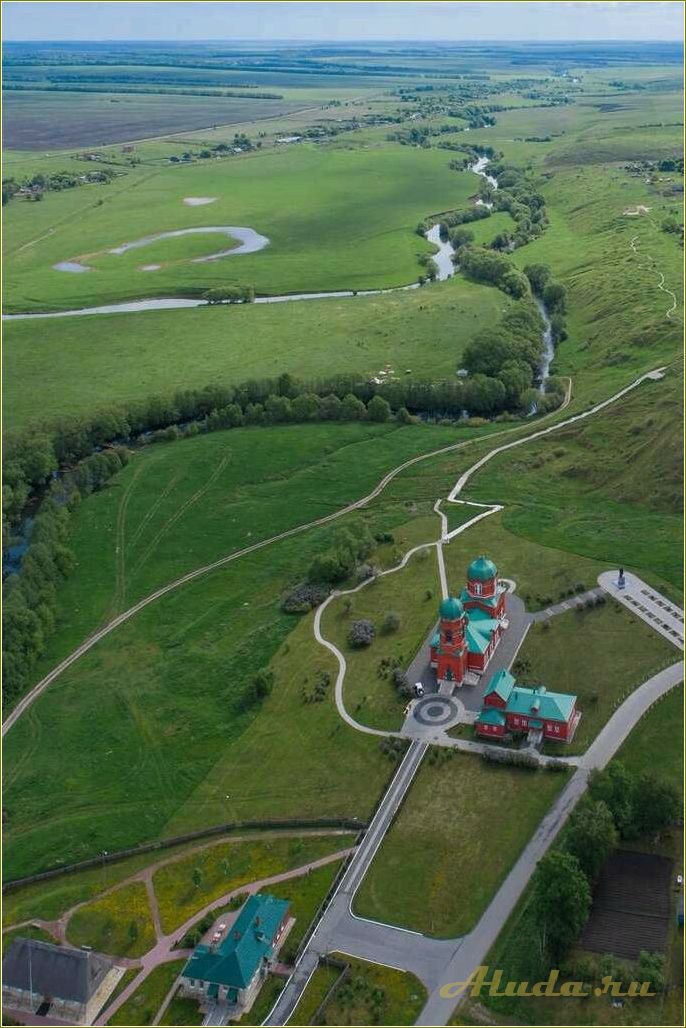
156,730
336,219
117,358
175,507
608,488
439,839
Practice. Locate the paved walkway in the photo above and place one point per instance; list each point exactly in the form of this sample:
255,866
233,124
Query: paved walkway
40,687
163,951
655,609
564,606
474,948
324,939
437,962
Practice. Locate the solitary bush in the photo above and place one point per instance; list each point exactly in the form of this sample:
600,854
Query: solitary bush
391,623
361,633
261,685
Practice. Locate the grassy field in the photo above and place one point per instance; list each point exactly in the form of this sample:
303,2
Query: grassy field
437,868
117,358
140,1009
323,979
656,745
369,994
622,650
412,594
336,219
228,866
182,1011
374,994
28,931
119,923
177,507
231,624
608,489
539,571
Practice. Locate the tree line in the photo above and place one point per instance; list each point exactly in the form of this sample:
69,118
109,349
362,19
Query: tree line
30,597
51,468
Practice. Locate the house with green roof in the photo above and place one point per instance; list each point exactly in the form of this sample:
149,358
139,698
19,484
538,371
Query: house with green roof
470,626
229,970
509,708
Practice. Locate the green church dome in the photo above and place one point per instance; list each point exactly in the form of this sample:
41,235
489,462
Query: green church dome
451,609
481,569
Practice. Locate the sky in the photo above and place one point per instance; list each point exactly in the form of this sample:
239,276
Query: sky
384,20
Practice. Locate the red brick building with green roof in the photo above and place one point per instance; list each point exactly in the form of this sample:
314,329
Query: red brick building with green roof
470,627
509,708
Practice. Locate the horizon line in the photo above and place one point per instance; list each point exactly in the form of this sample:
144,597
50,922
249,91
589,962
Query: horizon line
347,42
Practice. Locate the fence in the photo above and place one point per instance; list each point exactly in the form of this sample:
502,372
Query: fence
353,824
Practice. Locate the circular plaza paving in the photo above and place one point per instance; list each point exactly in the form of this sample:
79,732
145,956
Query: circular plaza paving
436,711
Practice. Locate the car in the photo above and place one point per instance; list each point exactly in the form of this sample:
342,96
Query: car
418,689
221,927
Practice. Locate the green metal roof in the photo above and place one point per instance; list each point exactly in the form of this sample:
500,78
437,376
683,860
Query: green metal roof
501,684
482,569
490,716
477,642
479,632
554,706
451,609
487,601
236,959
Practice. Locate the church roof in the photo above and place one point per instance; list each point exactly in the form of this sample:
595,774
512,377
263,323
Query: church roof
491,716
554,706
481,569
486,601
479,632
451,609
236,959
501,684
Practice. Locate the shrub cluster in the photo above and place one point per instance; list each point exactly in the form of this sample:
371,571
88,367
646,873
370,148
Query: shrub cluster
36,185
352,544
516,758
303,597
361,633
484,265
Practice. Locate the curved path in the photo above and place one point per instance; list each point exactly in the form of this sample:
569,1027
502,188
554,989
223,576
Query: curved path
40,687
660,277
438,962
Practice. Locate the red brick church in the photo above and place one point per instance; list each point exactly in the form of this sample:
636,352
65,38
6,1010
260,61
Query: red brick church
470,627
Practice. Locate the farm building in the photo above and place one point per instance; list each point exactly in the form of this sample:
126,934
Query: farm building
470,627
509,708
229,973
71,985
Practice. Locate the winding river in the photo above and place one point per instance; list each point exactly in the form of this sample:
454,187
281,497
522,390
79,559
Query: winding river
251,241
